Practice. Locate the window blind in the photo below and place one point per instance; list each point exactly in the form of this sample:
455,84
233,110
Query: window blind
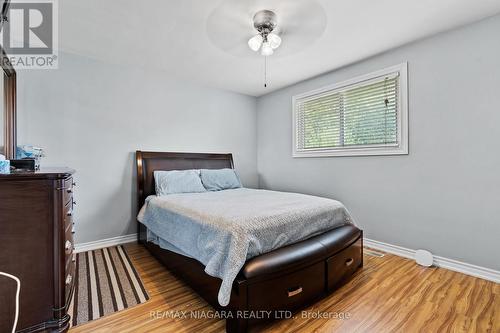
359,115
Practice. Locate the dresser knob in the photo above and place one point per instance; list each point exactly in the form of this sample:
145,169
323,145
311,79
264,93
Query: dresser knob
68,246
69,190
74,184
69,213
69,278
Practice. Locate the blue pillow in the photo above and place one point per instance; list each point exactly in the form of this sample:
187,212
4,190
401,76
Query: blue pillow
178,181
221,179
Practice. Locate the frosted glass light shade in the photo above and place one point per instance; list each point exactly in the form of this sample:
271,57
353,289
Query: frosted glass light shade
266,49
274,40
255,42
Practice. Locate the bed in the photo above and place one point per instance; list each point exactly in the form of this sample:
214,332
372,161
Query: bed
272,284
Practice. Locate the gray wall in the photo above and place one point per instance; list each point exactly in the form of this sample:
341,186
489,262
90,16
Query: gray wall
445,195
92,117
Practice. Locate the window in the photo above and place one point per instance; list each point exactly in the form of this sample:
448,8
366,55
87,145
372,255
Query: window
364,116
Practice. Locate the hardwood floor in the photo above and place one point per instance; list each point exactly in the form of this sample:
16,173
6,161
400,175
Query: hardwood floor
388,294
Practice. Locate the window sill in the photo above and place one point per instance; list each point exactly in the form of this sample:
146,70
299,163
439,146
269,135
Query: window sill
376,151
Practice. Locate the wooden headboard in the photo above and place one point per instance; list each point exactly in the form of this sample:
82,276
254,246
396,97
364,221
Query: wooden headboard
147,162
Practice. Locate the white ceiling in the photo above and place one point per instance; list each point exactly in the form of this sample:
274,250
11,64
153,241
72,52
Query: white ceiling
176,36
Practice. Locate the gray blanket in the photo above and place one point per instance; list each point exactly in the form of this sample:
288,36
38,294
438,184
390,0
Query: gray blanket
223,229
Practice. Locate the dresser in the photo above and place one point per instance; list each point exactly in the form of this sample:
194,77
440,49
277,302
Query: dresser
36,245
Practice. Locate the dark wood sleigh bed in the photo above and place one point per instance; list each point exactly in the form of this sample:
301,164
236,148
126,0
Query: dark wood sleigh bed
279,282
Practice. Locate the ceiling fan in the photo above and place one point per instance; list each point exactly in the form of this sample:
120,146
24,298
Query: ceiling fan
265,40
262,25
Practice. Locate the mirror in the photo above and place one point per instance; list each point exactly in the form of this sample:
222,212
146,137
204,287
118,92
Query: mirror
2,139
8,128
9,107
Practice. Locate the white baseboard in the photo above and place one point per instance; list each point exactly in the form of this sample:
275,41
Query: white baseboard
82,247
451,264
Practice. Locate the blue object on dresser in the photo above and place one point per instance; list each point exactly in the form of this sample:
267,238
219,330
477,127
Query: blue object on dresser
4,166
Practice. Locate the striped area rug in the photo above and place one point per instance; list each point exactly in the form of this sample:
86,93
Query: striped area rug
105,282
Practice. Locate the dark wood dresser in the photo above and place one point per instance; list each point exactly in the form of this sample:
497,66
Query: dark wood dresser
36,245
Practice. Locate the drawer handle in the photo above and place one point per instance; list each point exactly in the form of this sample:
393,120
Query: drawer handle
69,213
69,278
73,184
68,246
349,262
294,291
69,190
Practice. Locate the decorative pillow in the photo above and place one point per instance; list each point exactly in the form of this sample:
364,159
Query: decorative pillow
221,179
178,181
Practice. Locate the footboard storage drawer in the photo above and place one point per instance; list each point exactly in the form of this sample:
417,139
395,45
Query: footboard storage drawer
343,264
288,293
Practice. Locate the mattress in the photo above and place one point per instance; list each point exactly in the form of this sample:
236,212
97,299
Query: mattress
225,228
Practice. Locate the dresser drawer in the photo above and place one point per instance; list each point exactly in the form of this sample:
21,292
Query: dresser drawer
68,215
69,279
67,190
297,289
71,259
343,264
68,249
68,235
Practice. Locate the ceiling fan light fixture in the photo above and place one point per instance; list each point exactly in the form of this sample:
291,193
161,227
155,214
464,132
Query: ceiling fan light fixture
266,40
255,42
266,49
274,40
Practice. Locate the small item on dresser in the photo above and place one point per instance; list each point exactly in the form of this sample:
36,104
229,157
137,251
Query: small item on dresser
30,152
25,164
4,165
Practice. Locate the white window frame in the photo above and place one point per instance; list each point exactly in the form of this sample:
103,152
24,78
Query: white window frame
401,148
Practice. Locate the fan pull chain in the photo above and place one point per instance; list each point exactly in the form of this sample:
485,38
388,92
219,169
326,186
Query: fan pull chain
265,72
